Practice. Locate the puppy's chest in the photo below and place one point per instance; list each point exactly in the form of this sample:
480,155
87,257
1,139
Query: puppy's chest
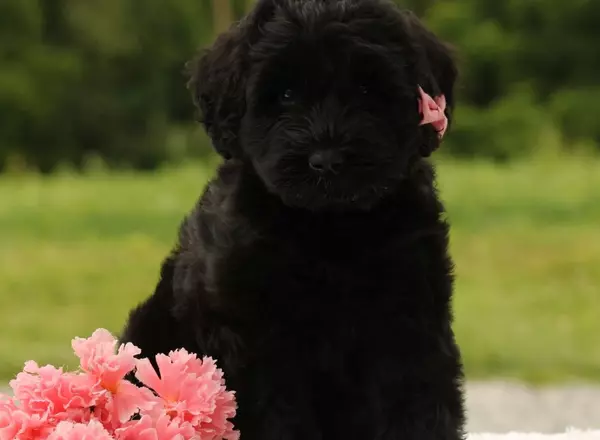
333,312
348,294
328,307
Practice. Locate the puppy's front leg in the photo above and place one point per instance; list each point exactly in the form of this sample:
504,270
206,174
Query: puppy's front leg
434,423
421,397
151,325
271,408
427,415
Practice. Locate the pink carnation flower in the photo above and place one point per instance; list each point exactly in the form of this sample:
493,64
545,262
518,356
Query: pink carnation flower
16,424
97,357
108,366
79,431
162,428
97,403
48,392
193,391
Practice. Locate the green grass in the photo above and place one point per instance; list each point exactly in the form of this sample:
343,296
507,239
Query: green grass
77,252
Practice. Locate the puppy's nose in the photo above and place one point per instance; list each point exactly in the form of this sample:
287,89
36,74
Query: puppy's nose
326,161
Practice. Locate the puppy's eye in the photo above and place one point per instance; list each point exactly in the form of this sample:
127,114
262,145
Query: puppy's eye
288,97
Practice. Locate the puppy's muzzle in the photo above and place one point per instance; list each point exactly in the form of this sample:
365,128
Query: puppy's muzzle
326,161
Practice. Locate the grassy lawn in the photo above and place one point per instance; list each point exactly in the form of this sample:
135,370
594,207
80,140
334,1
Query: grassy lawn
77,252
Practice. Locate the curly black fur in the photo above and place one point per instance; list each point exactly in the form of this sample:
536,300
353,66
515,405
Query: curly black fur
325,295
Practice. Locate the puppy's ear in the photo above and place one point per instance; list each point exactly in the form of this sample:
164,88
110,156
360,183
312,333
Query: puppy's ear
437,70
217,83
218,77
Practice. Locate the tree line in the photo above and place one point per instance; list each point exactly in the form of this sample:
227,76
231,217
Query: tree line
103,78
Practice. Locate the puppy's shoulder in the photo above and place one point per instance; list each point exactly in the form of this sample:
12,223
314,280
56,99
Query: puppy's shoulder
215,223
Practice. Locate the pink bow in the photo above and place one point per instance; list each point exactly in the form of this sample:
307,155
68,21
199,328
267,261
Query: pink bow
433,111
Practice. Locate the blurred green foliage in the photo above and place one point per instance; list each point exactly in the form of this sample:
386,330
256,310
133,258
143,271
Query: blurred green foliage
103,78
527,67
81,78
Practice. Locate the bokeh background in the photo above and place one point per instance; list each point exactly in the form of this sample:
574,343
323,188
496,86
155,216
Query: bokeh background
101,158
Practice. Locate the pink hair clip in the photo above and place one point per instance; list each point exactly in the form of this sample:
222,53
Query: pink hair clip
433,111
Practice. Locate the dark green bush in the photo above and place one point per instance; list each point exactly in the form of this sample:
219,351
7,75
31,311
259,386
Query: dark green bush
510,127
578,113
95,78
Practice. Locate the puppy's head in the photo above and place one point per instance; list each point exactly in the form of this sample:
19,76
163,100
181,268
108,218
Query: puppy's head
322,97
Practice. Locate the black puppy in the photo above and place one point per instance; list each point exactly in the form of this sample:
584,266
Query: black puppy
315,268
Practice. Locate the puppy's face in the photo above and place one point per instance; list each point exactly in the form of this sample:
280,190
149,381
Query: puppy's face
330,116
331,123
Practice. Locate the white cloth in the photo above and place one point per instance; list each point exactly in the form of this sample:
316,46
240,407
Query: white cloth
570,434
